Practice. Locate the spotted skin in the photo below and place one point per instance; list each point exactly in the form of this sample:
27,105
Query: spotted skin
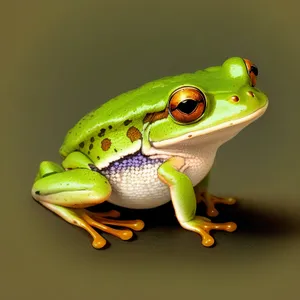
116,140
127,122
152,117
105,144
101,133
134,134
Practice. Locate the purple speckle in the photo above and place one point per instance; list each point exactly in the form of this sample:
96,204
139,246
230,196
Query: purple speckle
131,161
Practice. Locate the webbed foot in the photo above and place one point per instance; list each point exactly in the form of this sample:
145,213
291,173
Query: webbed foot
89,220
211,200
203,226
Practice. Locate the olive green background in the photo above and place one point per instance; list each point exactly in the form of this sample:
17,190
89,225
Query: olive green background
60,59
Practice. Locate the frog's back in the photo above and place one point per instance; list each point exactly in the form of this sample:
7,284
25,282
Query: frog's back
132,105
126,108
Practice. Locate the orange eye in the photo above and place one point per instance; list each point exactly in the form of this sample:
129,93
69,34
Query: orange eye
252,71
187,104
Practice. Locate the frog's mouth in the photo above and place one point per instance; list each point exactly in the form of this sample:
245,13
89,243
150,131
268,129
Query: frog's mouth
219,133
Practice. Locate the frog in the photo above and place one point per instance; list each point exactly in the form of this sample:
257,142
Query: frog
152,145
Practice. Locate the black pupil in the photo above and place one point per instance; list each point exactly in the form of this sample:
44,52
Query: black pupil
254,70
187,106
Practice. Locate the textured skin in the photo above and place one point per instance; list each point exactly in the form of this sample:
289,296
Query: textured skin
140,187
135,183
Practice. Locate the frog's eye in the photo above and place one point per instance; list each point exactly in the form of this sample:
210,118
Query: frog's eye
187,104
252,71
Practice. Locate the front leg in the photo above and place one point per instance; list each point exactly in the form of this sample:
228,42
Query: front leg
202,194
185,204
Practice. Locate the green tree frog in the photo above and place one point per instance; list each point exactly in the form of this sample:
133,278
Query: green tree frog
151,145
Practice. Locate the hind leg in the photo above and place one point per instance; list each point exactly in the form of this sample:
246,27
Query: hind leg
68,193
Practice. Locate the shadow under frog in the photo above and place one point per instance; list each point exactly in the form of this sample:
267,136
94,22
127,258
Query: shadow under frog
252,222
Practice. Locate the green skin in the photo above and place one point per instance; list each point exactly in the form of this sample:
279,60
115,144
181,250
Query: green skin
69,188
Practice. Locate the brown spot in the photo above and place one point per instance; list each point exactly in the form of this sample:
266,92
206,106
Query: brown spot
151,118
92,139
98,157
101,133
148,118
81,145
235,99
115,150
105,144
109,127
189,135
133,134
127,122
91,146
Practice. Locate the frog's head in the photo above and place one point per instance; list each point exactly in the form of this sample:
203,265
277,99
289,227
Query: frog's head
210,106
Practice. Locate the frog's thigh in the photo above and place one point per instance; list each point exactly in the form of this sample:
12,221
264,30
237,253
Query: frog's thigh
77,188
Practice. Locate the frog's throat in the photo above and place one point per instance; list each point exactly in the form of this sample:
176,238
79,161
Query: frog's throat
239,123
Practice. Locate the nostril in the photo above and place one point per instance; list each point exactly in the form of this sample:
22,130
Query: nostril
250,93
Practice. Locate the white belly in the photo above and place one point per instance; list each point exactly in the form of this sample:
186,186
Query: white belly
139,187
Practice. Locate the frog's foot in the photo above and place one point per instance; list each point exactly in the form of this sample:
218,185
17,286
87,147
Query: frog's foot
110,214
136,225
87,220
203,226
211,200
